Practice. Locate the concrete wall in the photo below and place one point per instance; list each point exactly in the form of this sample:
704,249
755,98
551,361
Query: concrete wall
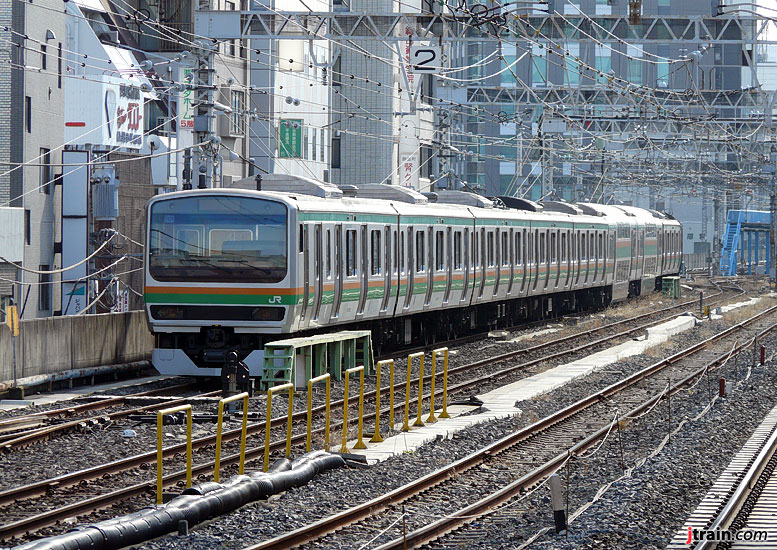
56,344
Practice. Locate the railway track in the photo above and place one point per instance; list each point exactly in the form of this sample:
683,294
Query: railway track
22,431
30,523
523,459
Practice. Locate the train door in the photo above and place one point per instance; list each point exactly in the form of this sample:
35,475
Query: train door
554,256
338,297
365,275
432,265
387,271
448,263
304,248
318,269
532,258
544,259
565,255
483,261
511,259
497,243
410,266
466,264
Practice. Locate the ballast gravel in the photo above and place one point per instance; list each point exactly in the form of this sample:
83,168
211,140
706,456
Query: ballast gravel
643,511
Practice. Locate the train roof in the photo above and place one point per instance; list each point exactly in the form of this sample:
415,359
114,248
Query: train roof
407,202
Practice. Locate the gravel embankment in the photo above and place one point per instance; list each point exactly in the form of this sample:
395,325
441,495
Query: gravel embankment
337,490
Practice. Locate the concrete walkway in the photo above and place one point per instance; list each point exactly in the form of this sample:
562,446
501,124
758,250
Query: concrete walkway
500,403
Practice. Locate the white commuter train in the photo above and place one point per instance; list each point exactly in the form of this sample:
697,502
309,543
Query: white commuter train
232,269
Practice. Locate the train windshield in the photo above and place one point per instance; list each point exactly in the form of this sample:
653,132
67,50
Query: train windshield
218,239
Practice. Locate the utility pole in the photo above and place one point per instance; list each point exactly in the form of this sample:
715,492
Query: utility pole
204,165
773,228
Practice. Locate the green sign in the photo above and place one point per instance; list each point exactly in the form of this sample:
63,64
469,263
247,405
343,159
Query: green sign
290,138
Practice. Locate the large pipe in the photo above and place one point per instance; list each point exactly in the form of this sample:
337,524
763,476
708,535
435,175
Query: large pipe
196,504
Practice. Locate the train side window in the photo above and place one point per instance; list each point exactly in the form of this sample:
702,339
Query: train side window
518,259
553,253
490,249
543,250
583,256
350,253
328,259
563,247
419,251
457,250
601,247
439,250
505,253
375,252
402,252
396,253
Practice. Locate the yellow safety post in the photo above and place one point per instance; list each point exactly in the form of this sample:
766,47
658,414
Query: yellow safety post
310,410
244,397
376,437
159,423
359,443
444,413
418,421
270,393
391,394
431,418
406,424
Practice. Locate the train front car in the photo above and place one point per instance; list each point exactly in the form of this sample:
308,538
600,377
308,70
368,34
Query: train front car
217,277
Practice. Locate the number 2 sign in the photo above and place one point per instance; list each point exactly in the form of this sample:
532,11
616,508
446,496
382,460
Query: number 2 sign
425,59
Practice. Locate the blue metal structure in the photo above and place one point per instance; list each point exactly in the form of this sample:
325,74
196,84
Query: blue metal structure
741,223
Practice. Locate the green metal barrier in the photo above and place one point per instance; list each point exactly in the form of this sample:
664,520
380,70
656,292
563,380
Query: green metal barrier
317,355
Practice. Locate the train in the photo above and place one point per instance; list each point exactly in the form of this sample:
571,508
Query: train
228,270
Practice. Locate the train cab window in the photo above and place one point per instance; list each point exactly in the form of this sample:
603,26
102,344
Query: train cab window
518,248
543,247
419,252
350,253
457,250
375,252
328,258
553,250
505,253
490,250
439,251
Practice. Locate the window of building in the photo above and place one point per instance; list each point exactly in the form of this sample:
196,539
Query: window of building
336,144
539,65
322,141
231,7
43,60
439,251
315,150
305,153
603,62
46,172
59,64
573,64
350,253
237,112
374,252
337,71
662,74
635,64
44,289
26,227
28,113
419,251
